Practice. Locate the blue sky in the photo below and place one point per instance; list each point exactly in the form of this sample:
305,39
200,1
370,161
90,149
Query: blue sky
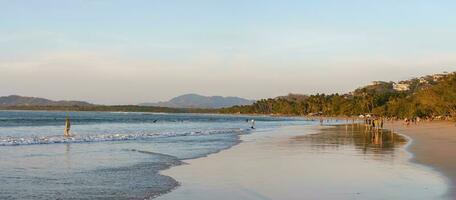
139,51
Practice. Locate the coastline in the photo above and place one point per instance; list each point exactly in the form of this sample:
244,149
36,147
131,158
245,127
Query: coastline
433,145
280,164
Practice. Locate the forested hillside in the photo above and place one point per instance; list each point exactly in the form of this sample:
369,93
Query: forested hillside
429,96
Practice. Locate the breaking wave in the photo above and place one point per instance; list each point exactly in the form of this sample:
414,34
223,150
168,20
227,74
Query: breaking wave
34,140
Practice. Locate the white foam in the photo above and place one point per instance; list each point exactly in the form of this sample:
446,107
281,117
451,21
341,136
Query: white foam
13,141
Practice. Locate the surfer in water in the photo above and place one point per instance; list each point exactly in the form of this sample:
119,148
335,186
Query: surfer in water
252,123
66,132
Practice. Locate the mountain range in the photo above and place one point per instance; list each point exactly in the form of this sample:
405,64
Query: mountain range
16,100
200,101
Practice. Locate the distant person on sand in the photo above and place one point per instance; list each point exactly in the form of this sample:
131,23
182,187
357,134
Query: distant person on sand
407,121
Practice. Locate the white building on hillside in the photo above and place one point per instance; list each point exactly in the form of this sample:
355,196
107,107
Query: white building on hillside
437,77
378,83
401,86
423,80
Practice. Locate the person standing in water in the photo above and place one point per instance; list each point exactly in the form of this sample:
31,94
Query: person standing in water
253,124
66,132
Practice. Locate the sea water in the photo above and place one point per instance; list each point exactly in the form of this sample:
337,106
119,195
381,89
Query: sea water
119,155
113,155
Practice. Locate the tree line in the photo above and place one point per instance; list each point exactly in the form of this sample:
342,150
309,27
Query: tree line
424,98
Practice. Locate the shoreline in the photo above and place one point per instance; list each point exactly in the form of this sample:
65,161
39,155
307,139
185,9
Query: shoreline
274,165
432,145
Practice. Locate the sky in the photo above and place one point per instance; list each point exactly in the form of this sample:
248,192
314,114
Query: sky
128,52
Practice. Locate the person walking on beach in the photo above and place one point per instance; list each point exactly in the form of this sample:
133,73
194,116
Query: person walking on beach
407,121
252,124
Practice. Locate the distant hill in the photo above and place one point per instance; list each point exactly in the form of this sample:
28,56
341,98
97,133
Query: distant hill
16,100
199,101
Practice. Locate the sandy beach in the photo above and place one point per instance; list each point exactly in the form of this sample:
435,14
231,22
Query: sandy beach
295,163
434,145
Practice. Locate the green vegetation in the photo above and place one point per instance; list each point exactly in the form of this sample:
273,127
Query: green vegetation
428,96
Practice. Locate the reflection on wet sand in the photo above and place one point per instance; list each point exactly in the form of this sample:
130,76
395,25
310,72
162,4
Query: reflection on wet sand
360,137
308,162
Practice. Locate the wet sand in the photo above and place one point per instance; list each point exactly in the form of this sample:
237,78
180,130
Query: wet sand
434,145
293,163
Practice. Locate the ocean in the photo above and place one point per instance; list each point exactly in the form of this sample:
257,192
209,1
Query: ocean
112,155
119,155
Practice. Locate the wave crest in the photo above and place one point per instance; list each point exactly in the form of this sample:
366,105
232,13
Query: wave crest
33,140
